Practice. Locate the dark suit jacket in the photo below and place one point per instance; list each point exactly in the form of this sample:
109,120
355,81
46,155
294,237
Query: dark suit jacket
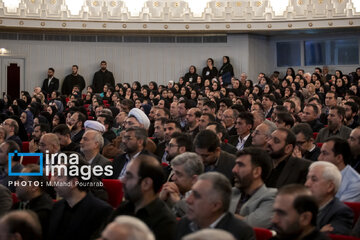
291,170
224,165
232,131
238,228
48,89
228,148
234,140
338,215
316,125
119,163
85,221
100,160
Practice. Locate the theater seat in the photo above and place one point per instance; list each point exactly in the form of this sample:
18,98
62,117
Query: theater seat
319,144
262,233
115,192
25,147
355,207
315,135
14,198
30,160
342,237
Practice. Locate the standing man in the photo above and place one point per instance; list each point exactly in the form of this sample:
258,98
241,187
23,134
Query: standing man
71,80
102,77
50,84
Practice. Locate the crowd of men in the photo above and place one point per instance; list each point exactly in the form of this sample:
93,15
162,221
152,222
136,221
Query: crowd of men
208,157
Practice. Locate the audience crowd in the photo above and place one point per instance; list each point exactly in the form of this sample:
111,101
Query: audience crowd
210,156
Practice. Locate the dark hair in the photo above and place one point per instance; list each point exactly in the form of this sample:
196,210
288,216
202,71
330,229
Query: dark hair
140,133
248,117
354,106
81,118
207,139
51,69
342,147
62,129
103,61
210,104
186,102
290,136
303,128
219,128
226,101
108,120
259,158
150,168
210,116
28,227
314,99
270,97
183,140
286,118
177,124
43,127
315,108
12,147
77,67
163,120
305,203
340,111
292,104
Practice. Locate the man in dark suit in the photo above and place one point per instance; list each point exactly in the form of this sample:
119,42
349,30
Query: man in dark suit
207,145
244,125
251,200
72,80
287,169
295,214
62,131
229,118
207,207
143,180
268,103
310,116
50,84
334,217
134,140
34,197
79,215
305,147
102,77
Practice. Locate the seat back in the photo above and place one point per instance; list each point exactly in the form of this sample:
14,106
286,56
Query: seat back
30,160
355,207
115,191
25,147
262,233
342,237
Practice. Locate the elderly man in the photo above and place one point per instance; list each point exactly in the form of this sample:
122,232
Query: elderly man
127,228
337,151
229,118
186,169
143,180
251,200
207,207
262,134
334,216
91,145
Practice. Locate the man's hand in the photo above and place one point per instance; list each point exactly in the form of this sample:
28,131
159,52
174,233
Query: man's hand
297,153
327,228
33,147
173,193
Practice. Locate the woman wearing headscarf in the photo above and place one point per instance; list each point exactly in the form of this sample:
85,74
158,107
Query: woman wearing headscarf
226,71
27,118
191,76
210,71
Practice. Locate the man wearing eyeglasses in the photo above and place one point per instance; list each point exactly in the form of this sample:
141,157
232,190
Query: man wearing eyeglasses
305,146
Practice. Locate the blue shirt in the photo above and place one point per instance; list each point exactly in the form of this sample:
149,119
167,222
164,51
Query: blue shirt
349,190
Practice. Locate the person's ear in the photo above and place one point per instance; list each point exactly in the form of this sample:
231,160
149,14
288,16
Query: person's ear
147,184
305,218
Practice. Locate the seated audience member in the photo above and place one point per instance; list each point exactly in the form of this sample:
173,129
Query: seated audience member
354,142
2,134
66,144
262,134
186,168
91,145
284,120
287,169
192,118
134,140
251,200
305,147
229,118
79,214
268,104
244,125
221,132
337,151
178,144
335,125
49,143
351,114
159,136
39,131
7,147
127,228
310,116
12,128
170,127
295,214
6,201
32,197
334,217
205,119
207,207
207,145
143,180
209,234
107,121
20,225
77,121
